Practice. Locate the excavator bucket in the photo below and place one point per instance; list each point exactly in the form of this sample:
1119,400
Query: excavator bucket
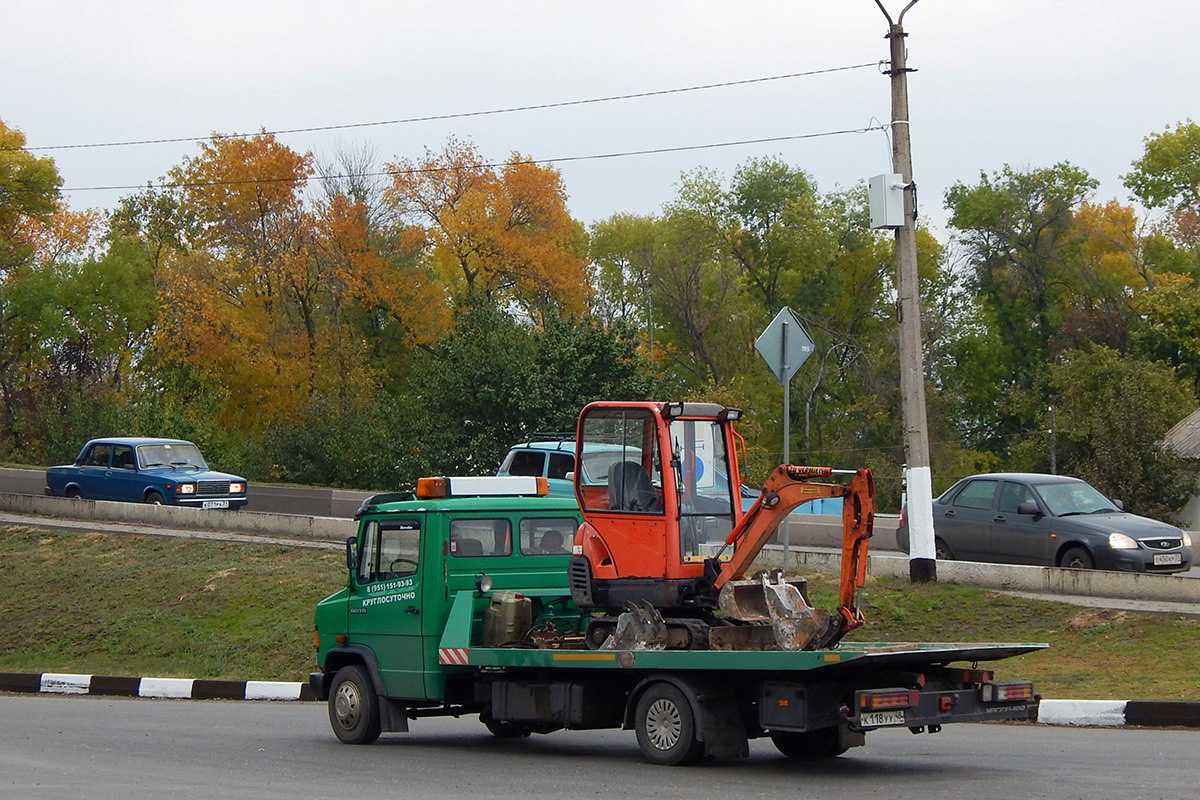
639,627
795,624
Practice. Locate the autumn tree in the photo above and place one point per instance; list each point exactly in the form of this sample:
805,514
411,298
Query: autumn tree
501,233
1167,178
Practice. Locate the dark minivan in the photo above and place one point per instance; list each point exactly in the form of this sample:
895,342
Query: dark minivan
1048,520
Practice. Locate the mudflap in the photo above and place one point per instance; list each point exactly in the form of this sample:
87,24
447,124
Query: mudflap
393,715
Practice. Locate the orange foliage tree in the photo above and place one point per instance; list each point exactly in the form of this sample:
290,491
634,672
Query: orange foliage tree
504,234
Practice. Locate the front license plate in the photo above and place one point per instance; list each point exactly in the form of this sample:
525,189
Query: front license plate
215,504
1166,559
877,719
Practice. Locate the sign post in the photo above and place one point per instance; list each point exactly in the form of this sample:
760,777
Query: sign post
785,345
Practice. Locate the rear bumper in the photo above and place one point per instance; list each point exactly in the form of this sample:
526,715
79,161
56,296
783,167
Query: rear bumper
935,709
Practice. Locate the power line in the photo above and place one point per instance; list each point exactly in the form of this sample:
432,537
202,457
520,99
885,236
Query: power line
459,115
564,159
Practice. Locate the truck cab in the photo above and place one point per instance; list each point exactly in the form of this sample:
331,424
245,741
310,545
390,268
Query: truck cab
410,558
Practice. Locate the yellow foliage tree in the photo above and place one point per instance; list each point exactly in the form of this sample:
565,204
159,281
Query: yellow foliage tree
502,233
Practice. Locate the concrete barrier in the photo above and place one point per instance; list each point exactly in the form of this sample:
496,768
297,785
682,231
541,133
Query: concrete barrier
1007,577
292,526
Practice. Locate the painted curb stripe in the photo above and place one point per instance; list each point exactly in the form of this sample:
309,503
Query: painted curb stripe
1098,713
20,682
272,690
1156,714
218,690
115,686
64,683
166,687
453,655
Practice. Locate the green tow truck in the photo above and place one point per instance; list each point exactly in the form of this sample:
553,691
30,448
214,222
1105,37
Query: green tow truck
469,598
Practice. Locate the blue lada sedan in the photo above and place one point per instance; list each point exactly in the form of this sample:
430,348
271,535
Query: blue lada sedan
143,470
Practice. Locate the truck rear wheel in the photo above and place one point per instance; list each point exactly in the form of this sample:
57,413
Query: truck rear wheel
808,746
353,706
666,727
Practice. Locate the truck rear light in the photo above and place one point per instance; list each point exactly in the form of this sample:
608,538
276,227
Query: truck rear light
1011,692
887,698
316,639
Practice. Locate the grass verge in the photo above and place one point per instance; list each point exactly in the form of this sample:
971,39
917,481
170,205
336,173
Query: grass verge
134,605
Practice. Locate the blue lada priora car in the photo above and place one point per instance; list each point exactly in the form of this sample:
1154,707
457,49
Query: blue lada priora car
143,470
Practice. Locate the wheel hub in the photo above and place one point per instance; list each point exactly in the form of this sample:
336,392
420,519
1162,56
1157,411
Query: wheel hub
347,705
663,724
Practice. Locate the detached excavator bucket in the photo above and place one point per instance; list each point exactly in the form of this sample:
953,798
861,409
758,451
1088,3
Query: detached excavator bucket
795,624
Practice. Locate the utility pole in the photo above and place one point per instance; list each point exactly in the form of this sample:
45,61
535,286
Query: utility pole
922,565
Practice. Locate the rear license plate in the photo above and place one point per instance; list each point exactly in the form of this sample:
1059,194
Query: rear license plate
877,719
1166,559
215,504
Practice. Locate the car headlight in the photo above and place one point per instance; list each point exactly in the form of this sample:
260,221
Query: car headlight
1187,539
236,488
187,488
1121,541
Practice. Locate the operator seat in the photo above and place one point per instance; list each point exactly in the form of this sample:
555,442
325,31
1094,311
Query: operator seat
630,489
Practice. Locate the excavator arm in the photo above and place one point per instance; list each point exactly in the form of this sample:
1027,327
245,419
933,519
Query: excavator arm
790,486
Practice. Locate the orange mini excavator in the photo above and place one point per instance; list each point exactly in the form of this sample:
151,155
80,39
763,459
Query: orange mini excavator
664,546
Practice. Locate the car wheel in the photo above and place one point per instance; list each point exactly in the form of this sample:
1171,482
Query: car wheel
353,706
154,498
942,551
666,727
72,494
1076,558
808,746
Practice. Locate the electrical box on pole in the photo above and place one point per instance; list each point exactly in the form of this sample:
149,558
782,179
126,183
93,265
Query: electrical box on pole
886,194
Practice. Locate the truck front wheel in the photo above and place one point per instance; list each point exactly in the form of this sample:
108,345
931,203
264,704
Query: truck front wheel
808,746
666,727
353,706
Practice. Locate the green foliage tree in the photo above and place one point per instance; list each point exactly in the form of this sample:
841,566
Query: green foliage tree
1111,413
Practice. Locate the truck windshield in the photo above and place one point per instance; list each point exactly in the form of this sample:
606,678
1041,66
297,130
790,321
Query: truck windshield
702,480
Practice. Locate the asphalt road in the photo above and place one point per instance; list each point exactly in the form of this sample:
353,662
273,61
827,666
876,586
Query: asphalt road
54,747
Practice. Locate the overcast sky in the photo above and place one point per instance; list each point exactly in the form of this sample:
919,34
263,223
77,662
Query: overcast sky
1023,82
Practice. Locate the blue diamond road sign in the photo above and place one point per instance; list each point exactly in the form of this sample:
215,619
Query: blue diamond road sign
784,345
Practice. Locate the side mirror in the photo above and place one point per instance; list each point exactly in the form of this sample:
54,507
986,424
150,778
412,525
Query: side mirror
352,554
1030,509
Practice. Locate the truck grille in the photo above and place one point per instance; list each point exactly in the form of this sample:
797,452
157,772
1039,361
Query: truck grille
212,487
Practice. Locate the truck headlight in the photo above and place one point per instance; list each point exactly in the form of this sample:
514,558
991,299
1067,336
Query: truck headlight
236,487
187,488
1121,541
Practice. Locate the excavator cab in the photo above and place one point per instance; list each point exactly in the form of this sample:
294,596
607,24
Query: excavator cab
659,488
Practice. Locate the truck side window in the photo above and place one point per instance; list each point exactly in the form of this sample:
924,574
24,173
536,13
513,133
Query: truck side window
472,538
391,549
547,536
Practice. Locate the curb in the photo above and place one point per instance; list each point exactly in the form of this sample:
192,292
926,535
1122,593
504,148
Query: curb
1078,713
176,688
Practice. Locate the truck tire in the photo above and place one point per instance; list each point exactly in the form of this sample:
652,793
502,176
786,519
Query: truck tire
353,706
666,727
808,746
1076,558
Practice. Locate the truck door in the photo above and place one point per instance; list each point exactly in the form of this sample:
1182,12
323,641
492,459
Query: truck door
387,601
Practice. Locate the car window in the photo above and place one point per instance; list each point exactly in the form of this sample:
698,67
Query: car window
122,457
170,454
560,465
98,455
1012,495
527,462
976,494
1073,497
